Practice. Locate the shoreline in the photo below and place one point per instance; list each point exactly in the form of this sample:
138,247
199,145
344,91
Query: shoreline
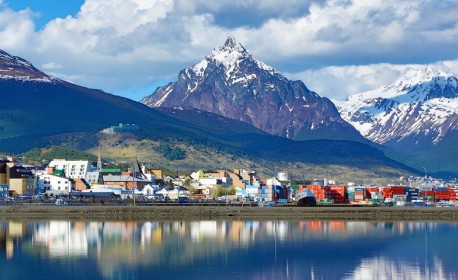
228,212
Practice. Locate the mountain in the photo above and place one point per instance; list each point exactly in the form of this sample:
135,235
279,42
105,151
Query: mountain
37,110
34,107
231,83
416,115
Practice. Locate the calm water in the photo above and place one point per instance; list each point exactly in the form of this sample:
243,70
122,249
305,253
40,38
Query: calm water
228,250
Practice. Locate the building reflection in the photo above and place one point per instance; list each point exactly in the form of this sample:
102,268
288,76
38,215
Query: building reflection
117,245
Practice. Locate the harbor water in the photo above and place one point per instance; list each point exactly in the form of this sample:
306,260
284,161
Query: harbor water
227,249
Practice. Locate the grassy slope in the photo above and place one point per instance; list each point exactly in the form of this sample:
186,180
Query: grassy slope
75,114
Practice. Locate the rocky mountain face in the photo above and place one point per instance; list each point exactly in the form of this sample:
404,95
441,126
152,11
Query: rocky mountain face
13,67
418,111
231,83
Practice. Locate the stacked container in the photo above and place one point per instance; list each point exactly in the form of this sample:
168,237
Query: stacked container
429,195
387,193
412,194
269,193
445,194
398,190
321,192
453,194
281,192
351,194
360,194
338,193
372,192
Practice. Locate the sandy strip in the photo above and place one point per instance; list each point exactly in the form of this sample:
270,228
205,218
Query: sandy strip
218,212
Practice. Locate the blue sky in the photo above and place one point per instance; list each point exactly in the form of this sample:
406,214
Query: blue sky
47,10
129,47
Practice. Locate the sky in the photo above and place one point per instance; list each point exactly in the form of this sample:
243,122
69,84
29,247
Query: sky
130,47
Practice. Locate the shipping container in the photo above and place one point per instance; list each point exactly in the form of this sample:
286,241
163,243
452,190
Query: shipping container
398,190
412,191
426,193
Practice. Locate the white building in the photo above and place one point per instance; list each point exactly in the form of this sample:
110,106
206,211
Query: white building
93,177
72,168
53,183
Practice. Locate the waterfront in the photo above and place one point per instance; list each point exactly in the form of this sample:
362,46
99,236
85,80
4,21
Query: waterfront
227,249
234,211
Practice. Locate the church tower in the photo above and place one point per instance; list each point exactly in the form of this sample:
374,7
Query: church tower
99,162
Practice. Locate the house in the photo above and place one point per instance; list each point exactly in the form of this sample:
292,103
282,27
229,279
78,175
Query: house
121,128
197,175
148,190
71,168
80,184
249,177
93,177
173,181
125,180
4,188
20,180
174,193
3,163
54,184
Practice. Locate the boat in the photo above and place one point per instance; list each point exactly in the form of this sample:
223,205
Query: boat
445,204
306,198
61,201
422,203
267,204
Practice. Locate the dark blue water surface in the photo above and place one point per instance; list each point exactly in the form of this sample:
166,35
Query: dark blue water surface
61,249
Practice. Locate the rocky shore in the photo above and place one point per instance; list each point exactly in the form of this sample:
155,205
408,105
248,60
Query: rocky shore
226,212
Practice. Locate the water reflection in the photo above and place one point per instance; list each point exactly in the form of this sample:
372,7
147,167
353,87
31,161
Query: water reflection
228,249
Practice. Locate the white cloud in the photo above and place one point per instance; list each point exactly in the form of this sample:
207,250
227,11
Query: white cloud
114,44
16,29
51,66
339,82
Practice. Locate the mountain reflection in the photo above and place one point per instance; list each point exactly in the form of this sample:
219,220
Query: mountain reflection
257,249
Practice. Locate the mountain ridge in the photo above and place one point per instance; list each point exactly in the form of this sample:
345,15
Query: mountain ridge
36,114
414,115
231,83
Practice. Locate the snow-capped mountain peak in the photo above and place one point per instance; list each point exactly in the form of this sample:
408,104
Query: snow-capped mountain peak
230,55
420,107
231,83
420,82
14,67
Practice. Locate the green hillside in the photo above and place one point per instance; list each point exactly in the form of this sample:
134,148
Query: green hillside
35,115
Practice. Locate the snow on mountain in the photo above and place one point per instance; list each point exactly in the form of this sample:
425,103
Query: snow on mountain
14,67
420,108
231,83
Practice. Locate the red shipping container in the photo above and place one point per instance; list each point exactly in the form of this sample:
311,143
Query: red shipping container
372,189
398,190
387,194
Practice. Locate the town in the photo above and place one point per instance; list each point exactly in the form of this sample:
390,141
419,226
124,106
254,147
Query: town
60,181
